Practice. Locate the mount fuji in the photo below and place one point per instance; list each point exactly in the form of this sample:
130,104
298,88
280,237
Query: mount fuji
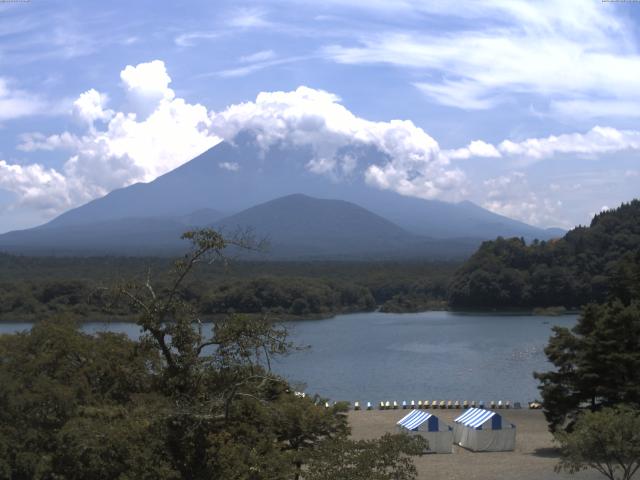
303,214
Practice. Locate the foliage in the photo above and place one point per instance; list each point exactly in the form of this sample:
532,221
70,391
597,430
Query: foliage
294,296
579,268
57,384
597,363
182,403
607,441
388,458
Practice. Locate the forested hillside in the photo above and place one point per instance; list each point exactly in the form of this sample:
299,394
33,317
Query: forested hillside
586,265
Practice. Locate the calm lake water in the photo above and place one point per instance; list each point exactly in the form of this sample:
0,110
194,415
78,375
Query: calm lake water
430,355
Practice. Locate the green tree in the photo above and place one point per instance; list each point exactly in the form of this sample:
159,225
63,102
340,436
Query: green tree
388,458
184,402
607,441
57,384
597,363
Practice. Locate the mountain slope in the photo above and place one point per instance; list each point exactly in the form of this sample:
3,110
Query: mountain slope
301,227
262,176
298,224
124,236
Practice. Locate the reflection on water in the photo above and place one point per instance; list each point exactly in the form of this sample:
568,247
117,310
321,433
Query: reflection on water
527,353
431,355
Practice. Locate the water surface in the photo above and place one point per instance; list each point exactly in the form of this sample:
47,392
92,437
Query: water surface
430,355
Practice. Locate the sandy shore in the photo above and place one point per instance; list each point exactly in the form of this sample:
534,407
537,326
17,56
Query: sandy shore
533,458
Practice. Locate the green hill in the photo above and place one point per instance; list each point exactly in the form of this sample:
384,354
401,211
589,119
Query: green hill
586,265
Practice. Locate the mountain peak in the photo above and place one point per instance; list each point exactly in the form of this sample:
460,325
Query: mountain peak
273,185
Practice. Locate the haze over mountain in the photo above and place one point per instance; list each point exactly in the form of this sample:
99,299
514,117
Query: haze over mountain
299,226
232,179
295,227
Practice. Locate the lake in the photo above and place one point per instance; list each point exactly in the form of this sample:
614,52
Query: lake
429,355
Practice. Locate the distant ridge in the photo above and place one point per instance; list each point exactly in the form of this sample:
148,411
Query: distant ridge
296,227
299,225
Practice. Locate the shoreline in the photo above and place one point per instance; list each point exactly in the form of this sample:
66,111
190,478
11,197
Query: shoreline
328,316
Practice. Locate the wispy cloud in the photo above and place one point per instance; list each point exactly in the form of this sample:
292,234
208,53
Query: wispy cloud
230,166
573,52
190,39
248,18
261,56
462,94
256,67
239,19
594,108
31,34
16,103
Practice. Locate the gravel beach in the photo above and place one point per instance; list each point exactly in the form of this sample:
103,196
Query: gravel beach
533,458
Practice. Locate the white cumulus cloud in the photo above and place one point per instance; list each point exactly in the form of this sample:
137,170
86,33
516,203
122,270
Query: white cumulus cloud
476,148
90,106
309,117
36,186
127,147
118,148
146,85
598,140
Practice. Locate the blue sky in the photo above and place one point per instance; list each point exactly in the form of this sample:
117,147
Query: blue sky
529,109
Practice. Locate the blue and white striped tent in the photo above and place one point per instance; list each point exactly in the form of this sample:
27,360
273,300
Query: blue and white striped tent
438,434
484,431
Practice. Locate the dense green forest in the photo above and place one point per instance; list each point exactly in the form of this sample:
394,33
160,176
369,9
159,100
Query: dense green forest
586,265
33,287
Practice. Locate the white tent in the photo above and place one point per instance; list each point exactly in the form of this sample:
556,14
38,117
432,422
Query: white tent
439,435
483,430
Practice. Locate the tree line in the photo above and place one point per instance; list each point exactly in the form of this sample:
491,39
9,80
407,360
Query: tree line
32,288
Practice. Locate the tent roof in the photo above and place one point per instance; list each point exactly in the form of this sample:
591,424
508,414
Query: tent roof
414,419
474,417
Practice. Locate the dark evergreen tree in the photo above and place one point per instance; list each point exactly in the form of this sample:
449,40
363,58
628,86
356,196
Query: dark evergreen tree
597,363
